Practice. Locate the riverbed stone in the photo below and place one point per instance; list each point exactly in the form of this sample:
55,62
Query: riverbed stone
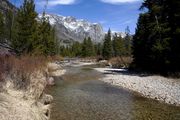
151,86
50,81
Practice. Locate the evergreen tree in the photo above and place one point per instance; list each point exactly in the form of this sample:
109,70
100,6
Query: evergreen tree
26,28
1,28
9,25
172,11
141,48
118,46
76,49
157,36
88,48
45,43
84,48
107,46
127,41
98,49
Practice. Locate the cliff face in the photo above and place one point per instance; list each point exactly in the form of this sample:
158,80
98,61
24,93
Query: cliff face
5,5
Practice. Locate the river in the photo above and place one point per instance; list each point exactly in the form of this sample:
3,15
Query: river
79,95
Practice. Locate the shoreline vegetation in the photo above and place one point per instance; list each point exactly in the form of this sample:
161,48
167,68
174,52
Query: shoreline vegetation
23,81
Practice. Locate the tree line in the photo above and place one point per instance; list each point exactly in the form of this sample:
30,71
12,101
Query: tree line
112,46
25,34
156,44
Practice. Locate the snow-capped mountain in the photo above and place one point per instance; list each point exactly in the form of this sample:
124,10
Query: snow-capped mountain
122,34
72,29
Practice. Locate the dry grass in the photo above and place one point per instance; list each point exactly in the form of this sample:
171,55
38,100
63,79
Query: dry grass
119,62
55,58
19,69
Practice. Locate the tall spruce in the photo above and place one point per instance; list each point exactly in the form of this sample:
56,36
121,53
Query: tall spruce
9,25
98,49
84,48
45,43
107,46
118,46
26,28
88,48
128,41
172,9
157,36
1,27
76,49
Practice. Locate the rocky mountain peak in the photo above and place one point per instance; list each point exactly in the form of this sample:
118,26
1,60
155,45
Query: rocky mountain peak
72,29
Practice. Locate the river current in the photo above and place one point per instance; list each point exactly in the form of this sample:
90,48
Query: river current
79,95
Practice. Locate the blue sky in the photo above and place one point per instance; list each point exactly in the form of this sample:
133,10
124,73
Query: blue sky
114,14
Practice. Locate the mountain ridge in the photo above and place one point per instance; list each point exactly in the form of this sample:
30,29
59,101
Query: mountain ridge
71,29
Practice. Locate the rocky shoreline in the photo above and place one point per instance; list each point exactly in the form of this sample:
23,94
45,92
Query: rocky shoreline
151,86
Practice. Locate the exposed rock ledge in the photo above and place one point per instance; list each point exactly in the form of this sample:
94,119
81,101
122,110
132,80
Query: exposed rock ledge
156,87
30,104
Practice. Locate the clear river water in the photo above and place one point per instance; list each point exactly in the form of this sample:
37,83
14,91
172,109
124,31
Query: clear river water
79,95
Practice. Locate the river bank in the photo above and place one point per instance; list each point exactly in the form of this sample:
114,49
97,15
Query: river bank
150,86
31,103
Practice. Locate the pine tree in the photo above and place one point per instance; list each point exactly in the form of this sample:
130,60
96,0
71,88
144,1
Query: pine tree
157,36
118,46
45,43
90,48
98,49
107,46
140,45
1,27
84,48
76,49
26,28
9,25
127,41
172,10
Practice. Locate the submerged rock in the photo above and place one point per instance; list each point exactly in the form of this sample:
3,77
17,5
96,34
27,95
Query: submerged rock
50,81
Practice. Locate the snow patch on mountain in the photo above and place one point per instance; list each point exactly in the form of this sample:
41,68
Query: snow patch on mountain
70,28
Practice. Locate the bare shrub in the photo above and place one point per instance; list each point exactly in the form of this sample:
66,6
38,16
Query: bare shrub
55,58
120,62
20,69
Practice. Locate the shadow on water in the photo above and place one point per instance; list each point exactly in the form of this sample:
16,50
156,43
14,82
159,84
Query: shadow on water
126,72
79,95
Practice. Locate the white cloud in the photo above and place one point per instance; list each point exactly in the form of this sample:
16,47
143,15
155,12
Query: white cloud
119,1
58,2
